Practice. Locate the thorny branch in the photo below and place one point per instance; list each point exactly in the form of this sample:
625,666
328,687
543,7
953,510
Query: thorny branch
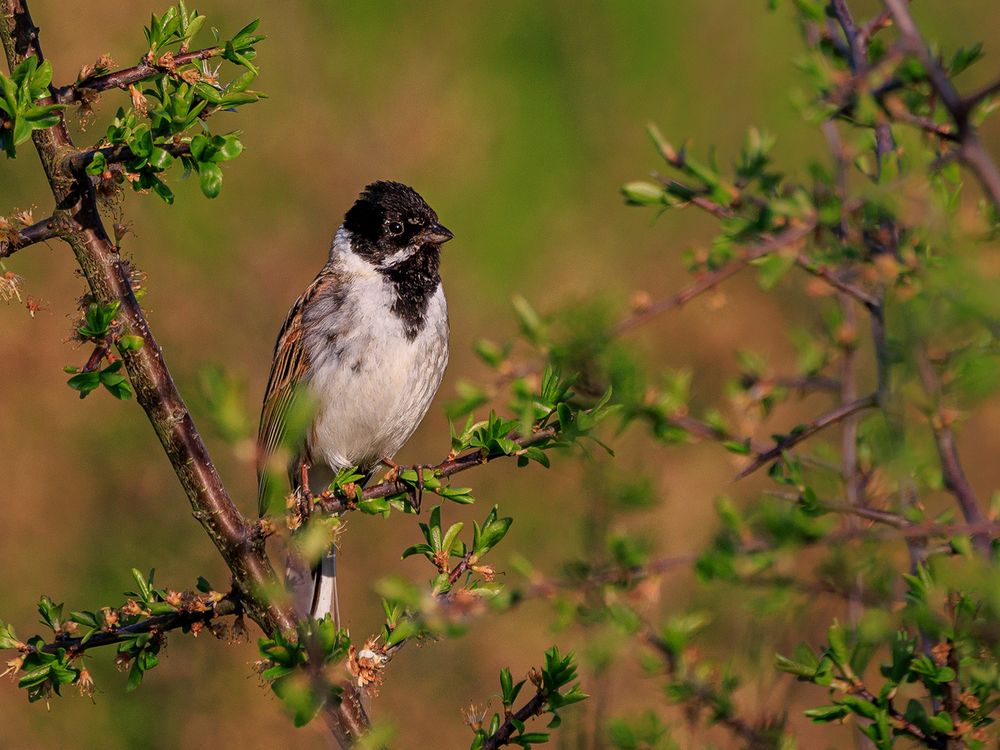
117,154
501,737
788,238
328,503
121,79
955,478
82,228
971,150
831,417
227,606
46,229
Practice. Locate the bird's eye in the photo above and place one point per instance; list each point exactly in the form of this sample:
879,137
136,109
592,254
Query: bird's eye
395,229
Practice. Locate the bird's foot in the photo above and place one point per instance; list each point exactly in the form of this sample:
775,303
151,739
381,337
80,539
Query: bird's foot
393,474
305,493
417,496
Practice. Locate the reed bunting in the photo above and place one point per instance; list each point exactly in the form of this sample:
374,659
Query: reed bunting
368,343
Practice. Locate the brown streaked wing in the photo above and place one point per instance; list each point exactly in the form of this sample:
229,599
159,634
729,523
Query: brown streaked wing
289,368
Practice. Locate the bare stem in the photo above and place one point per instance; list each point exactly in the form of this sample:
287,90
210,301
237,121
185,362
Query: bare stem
971,151
121,79
787,238
46,229
955,478
832,417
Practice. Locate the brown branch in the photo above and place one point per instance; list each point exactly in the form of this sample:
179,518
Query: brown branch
971,151
711,279
46,229
955,479
501,737
701,695
158,623
154,388
243,551
121,79
821,271
976,97
328,503
832,417
79,160
857,56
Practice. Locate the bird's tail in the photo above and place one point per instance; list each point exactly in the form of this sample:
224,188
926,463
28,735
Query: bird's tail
314,589
324,579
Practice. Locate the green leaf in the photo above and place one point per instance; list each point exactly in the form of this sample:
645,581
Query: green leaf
159,159
84,382
211,179
643,194
825,714
130,343
22,130
98,163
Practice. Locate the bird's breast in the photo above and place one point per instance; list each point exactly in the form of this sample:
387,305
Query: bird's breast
372,381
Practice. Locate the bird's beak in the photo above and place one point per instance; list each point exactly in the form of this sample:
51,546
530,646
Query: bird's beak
436,234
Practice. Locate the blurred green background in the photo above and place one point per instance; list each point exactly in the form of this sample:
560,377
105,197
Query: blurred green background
517,121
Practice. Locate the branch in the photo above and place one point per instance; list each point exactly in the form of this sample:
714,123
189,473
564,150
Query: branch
713,278
46,229
241,548
155,390
501,737
158,623
79,160
976,97
702,695
808,265
834,416
329,503
971,150
121,79
951,465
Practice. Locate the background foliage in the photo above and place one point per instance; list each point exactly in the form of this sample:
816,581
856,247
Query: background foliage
517,122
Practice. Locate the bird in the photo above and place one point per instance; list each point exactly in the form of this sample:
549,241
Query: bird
367,345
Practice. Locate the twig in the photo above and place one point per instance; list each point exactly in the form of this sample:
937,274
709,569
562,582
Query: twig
501,737
970,150
834,416
446,468
808,265
711,279
121,79
857,57
976,97
701,695
118,154
951,465
244,553
46,229
158,623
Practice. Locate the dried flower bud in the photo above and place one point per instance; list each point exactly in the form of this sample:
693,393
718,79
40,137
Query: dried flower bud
367,665
940,653
13,667
139,103
535,677
474,716
10,286
110,618
85,683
